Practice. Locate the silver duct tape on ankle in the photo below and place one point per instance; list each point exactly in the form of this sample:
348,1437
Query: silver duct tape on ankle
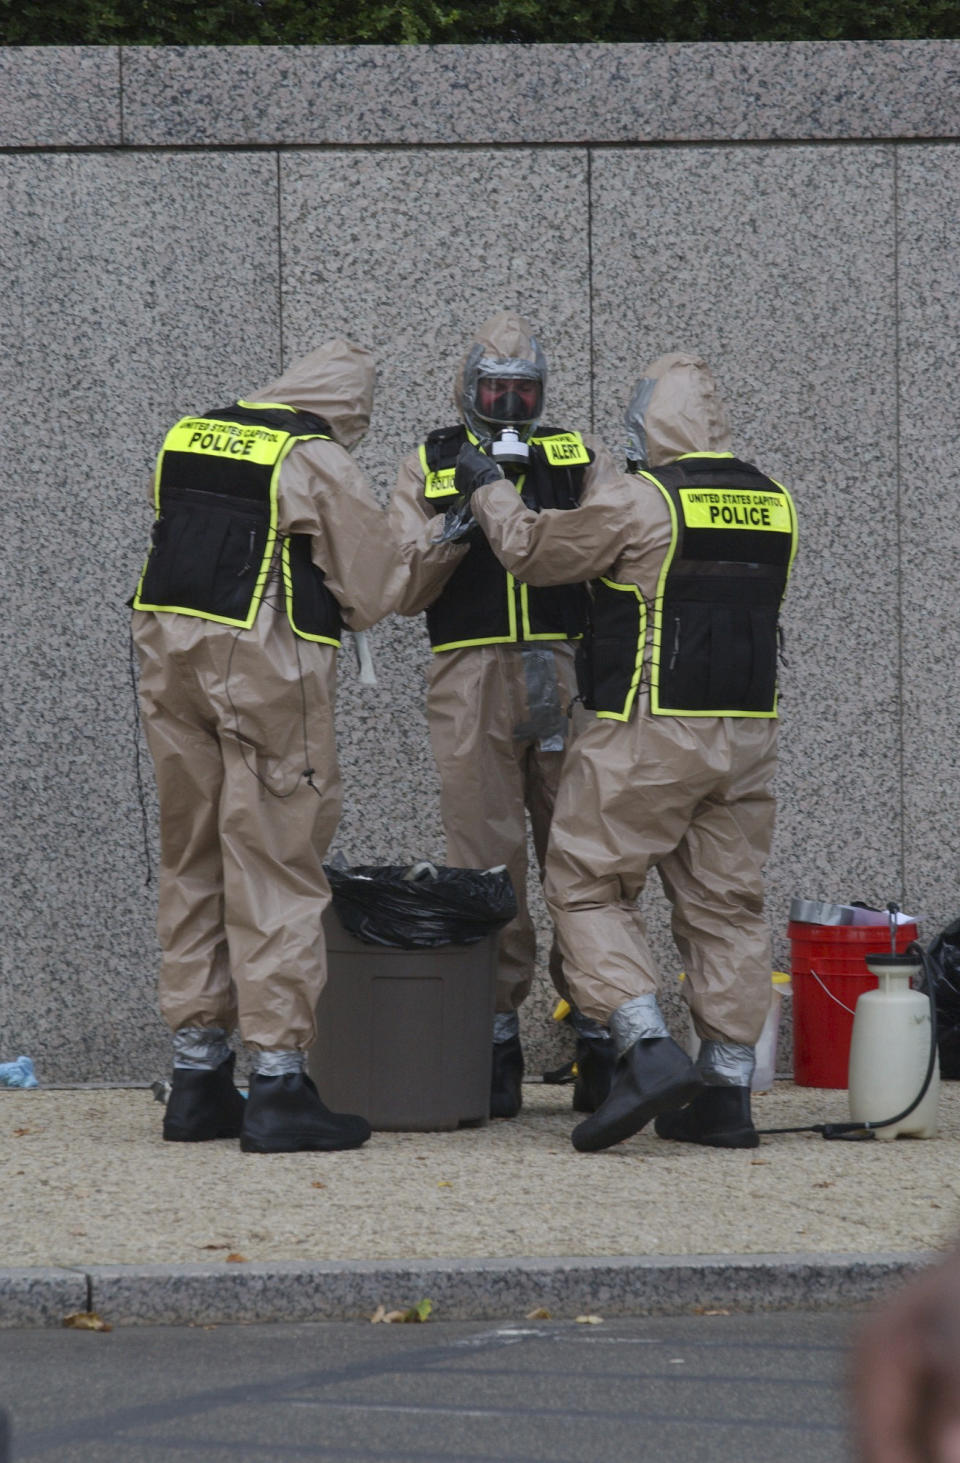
726,1063
200,1048
278,1064
636,1020
506,1025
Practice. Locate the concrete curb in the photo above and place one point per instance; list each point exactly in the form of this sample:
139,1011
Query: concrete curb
136,1295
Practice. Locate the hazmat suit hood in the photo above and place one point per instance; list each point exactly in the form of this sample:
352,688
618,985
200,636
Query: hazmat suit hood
675,409
335,381
504,346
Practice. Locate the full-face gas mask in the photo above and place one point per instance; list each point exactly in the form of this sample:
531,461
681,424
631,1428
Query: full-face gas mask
502,398
635,422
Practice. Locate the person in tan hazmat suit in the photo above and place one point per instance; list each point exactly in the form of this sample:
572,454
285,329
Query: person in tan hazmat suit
502,675
266,540
688,559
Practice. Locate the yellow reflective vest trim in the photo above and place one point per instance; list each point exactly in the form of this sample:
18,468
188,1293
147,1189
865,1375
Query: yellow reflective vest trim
287,572
624,713
508,639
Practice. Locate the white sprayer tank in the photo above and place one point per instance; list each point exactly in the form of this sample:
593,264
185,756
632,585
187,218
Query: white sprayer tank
889,1052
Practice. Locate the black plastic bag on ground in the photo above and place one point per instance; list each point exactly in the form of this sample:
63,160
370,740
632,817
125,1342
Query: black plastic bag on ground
943,961
420,907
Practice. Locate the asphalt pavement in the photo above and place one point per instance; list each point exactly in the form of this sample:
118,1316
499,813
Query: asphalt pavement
730,1388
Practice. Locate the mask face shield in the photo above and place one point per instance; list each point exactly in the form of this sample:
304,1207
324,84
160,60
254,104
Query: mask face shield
504,392
634,420
511,401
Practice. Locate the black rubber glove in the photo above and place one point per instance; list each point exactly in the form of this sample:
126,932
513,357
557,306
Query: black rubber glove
474,470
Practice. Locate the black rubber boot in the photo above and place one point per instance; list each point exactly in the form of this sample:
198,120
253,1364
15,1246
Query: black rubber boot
596,1060
506,1075
203,1105
718,1117
653,1076
285,1115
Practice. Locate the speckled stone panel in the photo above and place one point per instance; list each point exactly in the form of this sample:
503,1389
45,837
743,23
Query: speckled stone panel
928,200
409,253
541,93
777,265
138,288
59,96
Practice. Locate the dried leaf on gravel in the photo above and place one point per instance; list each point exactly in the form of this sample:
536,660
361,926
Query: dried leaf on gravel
540,1314
444,1184
86,1321
703,1311
234,1258
589,1320
21,1132
317,1184
220,1246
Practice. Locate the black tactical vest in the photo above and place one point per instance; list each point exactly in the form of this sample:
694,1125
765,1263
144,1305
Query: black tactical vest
215,534
713,627
481,604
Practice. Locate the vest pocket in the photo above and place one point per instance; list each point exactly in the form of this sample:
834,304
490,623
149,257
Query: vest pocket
718,658
206,560
687,673
762,690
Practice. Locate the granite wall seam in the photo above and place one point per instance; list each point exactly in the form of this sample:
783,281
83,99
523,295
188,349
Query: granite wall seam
279,185
590,275
901,729
121,90
281,149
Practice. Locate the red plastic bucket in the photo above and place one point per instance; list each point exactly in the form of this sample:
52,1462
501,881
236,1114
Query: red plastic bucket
827,966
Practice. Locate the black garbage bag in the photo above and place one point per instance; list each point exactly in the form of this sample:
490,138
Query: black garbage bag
943,964
421,906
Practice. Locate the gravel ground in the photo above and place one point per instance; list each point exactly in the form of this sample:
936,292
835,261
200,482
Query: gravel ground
87,1181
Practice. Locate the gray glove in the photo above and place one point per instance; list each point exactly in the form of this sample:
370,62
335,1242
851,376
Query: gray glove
458,523
474,470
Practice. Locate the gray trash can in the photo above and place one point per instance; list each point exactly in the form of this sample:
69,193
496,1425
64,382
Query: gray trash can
404,1035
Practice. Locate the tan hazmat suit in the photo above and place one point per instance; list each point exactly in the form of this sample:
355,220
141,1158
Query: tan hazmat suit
479,700
233,718
690,796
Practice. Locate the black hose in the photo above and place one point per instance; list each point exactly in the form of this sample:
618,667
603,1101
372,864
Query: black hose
867,1129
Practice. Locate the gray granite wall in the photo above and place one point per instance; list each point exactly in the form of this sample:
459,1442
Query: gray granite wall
179,223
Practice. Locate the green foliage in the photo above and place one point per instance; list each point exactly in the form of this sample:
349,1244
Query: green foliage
418,22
